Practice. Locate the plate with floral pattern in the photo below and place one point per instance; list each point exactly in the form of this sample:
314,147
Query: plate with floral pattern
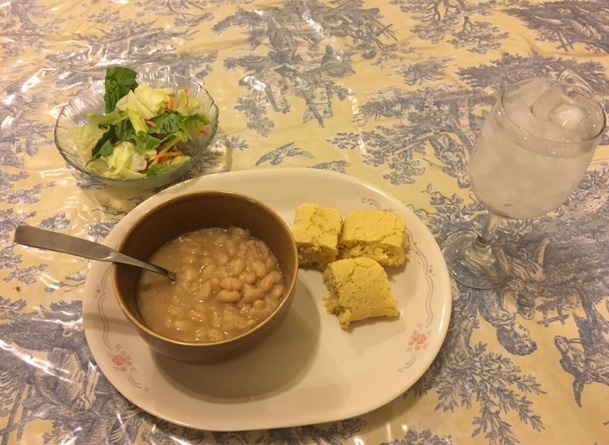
309,370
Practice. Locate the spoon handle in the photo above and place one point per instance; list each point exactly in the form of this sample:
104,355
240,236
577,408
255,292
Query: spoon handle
58,242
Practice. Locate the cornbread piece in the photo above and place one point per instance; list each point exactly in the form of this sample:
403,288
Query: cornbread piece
376,234
316,230
359,289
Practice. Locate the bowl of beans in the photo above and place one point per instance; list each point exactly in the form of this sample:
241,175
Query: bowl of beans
236,265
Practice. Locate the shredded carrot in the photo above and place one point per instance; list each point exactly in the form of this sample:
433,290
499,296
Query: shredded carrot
204,132
186,90
164,157
170,104
150,123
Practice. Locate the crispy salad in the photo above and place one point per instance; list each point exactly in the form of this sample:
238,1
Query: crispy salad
142,131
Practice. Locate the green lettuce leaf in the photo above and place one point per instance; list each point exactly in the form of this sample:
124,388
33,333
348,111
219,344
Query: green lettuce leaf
137,120
145,142
162,168
119,82
167,123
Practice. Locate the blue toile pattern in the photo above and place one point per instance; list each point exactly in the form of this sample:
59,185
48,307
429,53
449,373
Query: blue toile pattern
393,91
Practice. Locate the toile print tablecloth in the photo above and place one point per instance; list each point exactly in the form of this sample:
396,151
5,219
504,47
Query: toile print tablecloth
392,92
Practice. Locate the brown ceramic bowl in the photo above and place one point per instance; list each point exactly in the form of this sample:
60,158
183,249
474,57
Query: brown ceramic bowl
186,213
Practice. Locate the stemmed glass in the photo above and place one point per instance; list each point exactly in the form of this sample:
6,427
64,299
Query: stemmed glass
534,148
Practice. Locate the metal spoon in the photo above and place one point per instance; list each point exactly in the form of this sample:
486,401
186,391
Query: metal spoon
46,239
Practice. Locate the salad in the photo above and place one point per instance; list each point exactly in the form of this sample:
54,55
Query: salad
143,130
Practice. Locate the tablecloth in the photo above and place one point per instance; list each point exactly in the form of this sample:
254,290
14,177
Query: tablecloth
391,92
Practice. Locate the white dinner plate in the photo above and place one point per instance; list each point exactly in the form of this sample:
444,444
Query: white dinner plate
310,370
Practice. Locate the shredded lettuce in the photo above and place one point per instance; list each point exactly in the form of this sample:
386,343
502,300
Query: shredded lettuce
146,101
186,105
142,130
87,137
137,121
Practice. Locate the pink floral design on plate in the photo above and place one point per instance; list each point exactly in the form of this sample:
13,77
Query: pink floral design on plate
122,361
417,340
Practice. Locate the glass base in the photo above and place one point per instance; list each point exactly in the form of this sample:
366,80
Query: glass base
470,263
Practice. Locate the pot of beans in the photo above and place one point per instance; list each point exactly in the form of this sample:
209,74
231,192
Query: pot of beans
236,265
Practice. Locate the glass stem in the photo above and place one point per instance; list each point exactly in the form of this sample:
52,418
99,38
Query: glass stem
480,251
487,235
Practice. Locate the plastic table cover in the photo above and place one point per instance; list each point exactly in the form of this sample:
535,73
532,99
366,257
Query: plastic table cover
392,92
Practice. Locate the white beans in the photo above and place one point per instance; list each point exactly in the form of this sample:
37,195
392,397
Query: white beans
236,266
277,291
204,291
228,282
249,278
231,283
268,281
259,268
228,296
252,294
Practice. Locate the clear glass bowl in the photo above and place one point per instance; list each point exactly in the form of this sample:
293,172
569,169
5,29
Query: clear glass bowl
91,100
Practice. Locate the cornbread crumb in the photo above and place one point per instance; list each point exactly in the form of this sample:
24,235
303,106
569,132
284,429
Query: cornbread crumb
375,234
359,289
316,230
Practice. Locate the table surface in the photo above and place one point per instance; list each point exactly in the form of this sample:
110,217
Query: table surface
390,92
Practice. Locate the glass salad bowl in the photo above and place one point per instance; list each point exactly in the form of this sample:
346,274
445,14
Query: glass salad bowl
91,100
